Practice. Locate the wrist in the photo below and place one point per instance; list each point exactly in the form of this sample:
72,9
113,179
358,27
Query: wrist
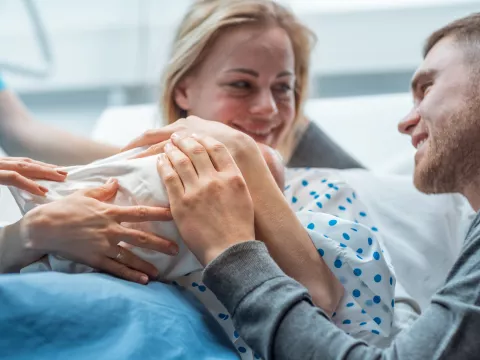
30,229
15,251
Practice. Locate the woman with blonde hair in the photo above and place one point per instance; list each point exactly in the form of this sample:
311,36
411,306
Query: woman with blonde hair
246,64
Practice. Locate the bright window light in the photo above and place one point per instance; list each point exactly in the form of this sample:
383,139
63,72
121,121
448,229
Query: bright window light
359,5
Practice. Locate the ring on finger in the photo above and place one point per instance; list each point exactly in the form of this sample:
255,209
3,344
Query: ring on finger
121,254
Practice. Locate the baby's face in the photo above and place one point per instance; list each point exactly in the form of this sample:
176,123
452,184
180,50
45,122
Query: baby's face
274,163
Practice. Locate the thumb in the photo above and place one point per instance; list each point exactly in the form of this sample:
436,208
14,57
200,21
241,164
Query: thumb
104,192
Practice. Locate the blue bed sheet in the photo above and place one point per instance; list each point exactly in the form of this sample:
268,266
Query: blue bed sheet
96,316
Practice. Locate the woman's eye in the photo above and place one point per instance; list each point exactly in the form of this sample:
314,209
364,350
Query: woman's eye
283,87
240,85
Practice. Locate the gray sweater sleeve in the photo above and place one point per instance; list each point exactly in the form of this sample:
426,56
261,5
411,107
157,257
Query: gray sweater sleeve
275,315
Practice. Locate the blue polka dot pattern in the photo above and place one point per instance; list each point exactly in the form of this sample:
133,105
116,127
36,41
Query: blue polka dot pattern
321,252
377,320
311,226
316,197
359,250
391,280
353,229
332,222
343,245
235,334
324,181
305,183
374,229
313,193
363,214
328,196
393,303
377,278
349,200
358,256
287,187
377,299
294,199
370,241
363,311
356,293
376,255
338,263
223,316
319,204
376,332
350,304
342,208
346,322
363,323
346,236
242,349
357,272
354,195
369,303
330,185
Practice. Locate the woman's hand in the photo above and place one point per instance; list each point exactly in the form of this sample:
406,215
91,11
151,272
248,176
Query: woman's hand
234,140
208,196
84,229
19,172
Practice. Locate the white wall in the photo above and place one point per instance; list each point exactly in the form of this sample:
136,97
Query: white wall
125,42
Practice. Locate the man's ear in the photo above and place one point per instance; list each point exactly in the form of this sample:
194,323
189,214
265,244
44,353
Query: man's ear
181,94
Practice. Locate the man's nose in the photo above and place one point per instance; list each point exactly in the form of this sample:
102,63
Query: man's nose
409,122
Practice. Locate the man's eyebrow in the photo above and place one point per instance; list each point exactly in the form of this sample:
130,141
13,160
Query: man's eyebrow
421,76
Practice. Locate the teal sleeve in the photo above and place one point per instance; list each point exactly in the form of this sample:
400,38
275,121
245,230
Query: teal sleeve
2,83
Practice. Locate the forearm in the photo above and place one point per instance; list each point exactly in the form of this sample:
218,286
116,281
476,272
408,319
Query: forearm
14,252
20,135
287,241
275,316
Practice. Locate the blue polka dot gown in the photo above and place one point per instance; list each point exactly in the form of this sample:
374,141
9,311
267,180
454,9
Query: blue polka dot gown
348,240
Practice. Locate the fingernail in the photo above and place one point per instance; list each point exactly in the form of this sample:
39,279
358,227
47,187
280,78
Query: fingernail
64,173
175,136
44,189
110,181
144,279
173,250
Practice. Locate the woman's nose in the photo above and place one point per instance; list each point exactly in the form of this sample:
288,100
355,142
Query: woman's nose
409,122
264,104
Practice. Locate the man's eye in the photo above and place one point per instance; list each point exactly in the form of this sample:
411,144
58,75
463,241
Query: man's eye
425,88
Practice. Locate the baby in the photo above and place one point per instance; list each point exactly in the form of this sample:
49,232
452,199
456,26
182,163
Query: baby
328,208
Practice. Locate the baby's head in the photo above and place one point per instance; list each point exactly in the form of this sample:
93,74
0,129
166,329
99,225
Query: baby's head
274,163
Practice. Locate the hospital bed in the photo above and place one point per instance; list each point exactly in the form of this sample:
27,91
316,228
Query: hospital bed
423,234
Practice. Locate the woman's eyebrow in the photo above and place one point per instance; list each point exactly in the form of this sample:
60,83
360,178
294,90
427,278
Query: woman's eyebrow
285,73
245,71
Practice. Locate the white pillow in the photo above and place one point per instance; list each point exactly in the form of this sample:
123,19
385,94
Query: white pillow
425,232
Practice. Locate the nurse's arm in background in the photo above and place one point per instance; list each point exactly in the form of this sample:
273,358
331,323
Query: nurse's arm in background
22,135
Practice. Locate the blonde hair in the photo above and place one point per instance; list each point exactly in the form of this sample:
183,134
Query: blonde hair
205,21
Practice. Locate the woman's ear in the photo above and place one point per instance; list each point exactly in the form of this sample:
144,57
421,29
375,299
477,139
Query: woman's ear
181,94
